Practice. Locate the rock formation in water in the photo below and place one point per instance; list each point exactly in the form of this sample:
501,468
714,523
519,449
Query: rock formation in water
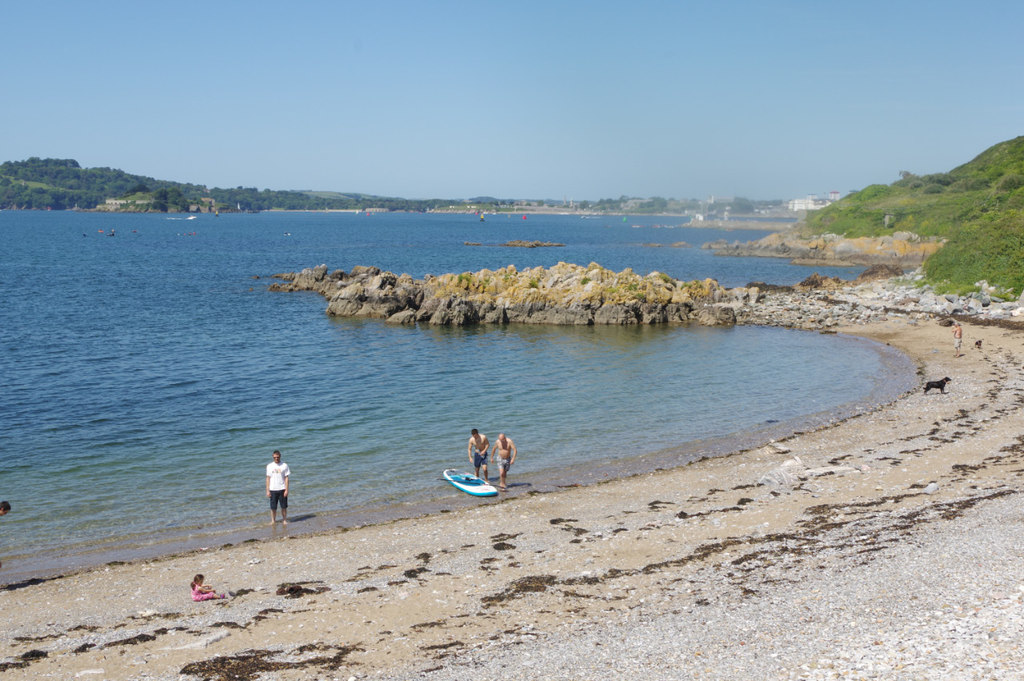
570,294
564,294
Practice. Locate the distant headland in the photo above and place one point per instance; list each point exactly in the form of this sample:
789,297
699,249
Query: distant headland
63,184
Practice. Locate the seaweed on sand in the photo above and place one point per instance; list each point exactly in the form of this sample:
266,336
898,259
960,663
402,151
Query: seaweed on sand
251,663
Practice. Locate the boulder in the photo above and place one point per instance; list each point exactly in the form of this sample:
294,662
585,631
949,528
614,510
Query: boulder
619,314
818,281
875,272
455,312
716,315
403,317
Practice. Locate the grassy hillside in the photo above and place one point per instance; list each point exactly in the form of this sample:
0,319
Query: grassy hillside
978,207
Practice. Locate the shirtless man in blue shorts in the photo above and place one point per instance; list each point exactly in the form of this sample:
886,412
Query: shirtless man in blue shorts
479,442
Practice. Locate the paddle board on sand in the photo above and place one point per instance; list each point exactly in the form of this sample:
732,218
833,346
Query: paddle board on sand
470,484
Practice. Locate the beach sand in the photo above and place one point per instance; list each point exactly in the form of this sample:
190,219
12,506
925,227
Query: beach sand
905,521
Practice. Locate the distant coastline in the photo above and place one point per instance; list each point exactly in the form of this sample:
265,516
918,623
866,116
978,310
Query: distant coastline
740,222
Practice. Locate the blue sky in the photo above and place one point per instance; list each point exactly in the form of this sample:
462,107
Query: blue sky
524,99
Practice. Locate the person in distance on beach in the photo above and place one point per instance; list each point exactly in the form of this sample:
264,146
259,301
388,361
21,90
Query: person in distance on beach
5,508
506,450
278,476
478,444
958,338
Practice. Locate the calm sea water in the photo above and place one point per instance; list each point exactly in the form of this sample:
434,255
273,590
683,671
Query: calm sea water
145,378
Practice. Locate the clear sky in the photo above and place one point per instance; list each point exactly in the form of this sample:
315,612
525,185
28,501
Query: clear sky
766,99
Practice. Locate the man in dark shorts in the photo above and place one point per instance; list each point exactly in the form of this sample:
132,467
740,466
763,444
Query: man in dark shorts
5,507
278,475
478,444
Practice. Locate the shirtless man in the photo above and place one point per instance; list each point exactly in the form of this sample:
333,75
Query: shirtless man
506,450
478,442
958,338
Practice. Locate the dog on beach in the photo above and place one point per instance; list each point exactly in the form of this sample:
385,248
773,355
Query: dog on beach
939,385
977,344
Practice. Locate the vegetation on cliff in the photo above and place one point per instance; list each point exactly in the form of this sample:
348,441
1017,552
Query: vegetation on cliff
977,207
61,184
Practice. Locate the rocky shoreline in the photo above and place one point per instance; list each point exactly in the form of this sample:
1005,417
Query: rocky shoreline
569,294
903,249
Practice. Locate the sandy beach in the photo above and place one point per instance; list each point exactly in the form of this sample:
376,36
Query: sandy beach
888,546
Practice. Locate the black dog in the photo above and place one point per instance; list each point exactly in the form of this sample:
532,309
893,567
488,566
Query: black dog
977,344
938,385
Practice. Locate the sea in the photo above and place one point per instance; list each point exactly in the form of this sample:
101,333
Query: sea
147,373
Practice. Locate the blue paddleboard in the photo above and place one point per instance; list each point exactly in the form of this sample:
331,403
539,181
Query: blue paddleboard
470,484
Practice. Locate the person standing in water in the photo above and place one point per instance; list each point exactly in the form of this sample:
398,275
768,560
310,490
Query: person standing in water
506,451
5,508
278,475
478,444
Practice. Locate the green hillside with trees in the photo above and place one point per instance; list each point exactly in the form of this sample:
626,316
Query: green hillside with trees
977,207
62,184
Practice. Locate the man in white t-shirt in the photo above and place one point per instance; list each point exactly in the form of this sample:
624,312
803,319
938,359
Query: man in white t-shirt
277,487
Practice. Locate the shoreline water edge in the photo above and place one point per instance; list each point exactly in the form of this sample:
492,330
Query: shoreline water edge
783,541
376,293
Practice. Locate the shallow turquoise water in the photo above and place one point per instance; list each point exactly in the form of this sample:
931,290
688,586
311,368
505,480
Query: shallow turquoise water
147,377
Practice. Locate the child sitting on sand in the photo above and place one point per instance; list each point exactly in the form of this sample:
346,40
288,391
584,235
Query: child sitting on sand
202,592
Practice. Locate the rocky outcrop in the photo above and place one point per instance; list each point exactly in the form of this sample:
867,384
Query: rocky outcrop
903,249
677,244
519,243
572,295
564,294
876,272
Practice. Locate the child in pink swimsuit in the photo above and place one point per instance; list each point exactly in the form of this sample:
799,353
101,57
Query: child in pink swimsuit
202,592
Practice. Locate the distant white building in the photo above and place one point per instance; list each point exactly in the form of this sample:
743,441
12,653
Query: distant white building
810,203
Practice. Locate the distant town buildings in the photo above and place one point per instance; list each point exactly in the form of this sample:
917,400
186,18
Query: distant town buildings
812,202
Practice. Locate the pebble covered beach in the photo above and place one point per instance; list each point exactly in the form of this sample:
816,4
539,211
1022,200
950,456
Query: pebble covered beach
887,546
